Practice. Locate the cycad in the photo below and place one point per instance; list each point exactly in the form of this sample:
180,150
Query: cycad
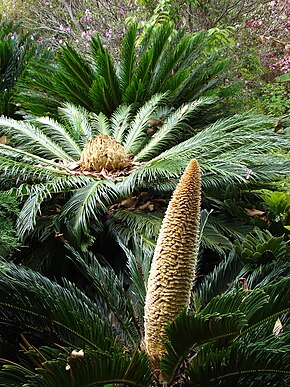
165,61
16,51
127,199
235,338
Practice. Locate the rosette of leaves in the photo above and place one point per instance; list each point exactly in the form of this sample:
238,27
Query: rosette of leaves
43,166
164,61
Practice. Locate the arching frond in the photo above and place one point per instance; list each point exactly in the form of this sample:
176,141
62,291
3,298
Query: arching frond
88,203
60,135
63,368
30,158
242,364
154,175
37,194
201,329
137,133
109,95
120,120
30,300
228,316
128,58
219,280
171,132
229,148
101,124
77,122
74,77
30,138
106,288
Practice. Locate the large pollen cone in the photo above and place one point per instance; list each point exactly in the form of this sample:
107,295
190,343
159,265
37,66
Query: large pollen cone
174,261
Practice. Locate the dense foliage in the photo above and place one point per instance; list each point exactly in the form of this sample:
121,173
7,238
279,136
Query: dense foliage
94,136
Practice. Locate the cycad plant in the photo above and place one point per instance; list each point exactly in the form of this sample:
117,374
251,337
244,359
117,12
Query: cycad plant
164,61
237,337
16,51
87,175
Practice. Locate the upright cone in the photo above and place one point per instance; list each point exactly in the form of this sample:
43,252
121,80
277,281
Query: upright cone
174,261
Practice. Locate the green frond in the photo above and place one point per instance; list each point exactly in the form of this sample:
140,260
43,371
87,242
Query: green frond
30,138
74,77
156,175
171,132
242,364
180,52
277,303
27,216
58,368
32,301
101,124
243,142
107,290
137,132
88,203
128,58
120,121
219,280
38,193
138,264
109,93
214,239
261,247
200,329
266,273
60,135
29,158
141,225
77,123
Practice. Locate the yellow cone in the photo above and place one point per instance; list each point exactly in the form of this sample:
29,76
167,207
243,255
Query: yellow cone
173,266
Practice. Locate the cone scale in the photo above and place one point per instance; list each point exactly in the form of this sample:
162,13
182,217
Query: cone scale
174,261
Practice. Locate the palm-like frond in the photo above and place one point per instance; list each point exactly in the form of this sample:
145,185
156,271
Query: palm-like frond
106,289
172,131
163,60
251,310
57,368
48,152
105,89
77,123
31,300
139,225
243,364
29,137
202,328
74,78
137,133
88,203
219,280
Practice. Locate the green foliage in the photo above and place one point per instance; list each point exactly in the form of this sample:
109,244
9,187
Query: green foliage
230,339
235,326
8,214
16,51
42,169
275,99
277,206
260,247
164,61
